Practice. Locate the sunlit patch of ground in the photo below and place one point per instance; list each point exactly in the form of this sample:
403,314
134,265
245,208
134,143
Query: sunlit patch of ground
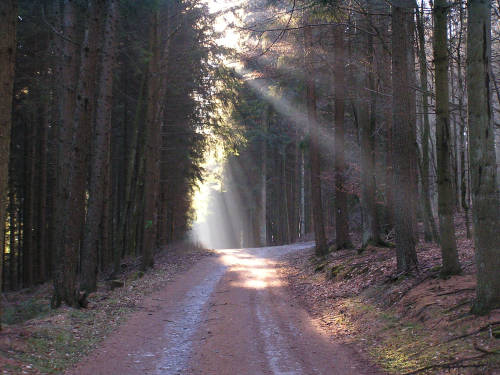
420,323
37,340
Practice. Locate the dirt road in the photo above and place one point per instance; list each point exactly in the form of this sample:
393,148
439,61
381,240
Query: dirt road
228,315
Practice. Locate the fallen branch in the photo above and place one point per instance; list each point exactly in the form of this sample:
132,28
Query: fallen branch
485,351
481,329
455,291
460,316
418,282
449,365
421,310
458,306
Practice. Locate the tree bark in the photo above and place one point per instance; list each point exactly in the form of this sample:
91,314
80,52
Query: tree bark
28,203
446,201
412,84
101,136
14,250
155,107
464,186
8,20
485,194
367,122
126,226
319,229
402,139
430,229
302,207
261,193
42,245
68,213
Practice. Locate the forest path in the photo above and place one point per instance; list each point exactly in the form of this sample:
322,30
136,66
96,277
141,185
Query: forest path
227,315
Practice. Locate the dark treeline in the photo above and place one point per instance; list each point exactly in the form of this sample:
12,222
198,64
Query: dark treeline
109,102
368,121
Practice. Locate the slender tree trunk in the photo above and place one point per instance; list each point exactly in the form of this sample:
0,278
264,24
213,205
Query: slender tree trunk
367,122
319,229
449,254
14,251
8,19
42,208
485,194
412,83
285,199
367,197
119,162
302,207
260,213
101,150
68,213
430,229
126,226
387,110
53,208
105,232
296,182
151,154
135,243
402,138
155,107
28,204
463,123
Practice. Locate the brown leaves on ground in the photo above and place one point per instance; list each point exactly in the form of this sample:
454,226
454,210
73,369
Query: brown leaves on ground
415,324
43,341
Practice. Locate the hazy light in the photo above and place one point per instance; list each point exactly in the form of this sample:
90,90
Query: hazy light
289,110
255,272
230,37
219,215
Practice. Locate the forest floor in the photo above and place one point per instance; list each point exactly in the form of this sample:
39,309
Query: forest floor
227,314
38,340
407,325
274,310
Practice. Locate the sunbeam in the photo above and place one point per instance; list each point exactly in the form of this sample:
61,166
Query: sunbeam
294,112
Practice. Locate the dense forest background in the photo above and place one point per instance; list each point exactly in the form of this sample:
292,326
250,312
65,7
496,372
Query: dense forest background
354,123
109,100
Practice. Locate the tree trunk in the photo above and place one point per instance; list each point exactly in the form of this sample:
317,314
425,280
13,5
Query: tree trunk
302,207
367,122
319,229
126,226
42,195
28,203
485,195
412,83
155,107
386,75
101,149
463,124
68,212
8,20
261,193
14,250
449,254
430,229
402,139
